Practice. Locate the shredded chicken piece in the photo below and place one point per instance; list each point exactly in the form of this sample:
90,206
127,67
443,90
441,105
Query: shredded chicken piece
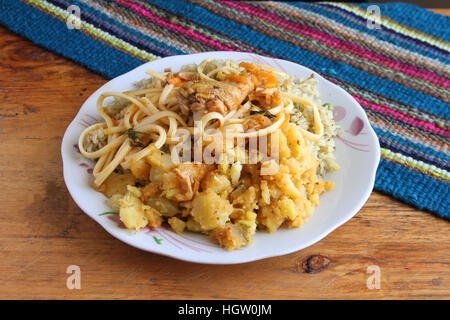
213,96
257,122
182,183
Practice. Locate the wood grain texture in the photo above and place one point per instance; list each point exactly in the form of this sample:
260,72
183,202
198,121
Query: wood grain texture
42,231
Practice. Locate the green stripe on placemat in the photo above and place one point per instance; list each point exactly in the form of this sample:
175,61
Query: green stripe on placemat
399,72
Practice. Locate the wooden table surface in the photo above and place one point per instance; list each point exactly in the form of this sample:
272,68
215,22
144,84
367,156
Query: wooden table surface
42,231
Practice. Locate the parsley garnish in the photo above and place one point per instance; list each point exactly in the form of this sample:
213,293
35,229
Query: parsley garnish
328,106
109,212
265,113
135,142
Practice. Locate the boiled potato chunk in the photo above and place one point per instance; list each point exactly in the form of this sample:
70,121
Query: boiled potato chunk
177,224
210,210
134,214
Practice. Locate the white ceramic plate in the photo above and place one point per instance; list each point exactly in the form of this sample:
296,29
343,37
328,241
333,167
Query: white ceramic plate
357,151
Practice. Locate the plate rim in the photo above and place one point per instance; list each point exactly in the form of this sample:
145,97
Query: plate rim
223,261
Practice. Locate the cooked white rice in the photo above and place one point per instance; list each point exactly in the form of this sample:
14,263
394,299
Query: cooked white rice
94,140
324,149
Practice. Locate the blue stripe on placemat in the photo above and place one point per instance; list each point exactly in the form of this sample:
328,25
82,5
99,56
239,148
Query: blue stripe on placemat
138,35
54,35
397,181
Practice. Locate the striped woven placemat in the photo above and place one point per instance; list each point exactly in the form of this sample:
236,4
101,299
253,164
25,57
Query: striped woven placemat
396,67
